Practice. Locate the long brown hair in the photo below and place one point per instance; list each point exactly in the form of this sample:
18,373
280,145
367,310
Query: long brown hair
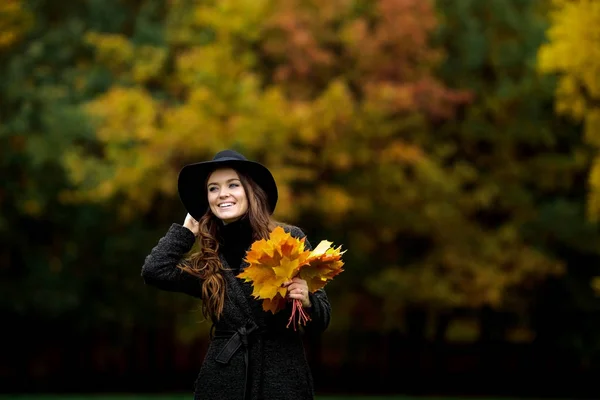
206,264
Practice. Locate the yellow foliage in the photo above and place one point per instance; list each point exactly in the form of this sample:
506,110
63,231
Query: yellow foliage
470,280
149,63
134,159
15,21
333,201
32,207
596,285
273,262
241,18
138,63
126,114
216,96
403,153
573,43
112,50
573,53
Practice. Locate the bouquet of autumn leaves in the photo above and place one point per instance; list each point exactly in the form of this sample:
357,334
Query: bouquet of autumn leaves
283,257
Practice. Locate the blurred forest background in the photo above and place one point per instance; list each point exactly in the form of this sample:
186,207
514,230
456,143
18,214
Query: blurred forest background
451,146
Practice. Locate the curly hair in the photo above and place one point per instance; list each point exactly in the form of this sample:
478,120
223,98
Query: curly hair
206,264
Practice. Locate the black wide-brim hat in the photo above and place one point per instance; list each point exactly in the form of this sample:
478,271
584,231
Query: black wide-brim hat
192,180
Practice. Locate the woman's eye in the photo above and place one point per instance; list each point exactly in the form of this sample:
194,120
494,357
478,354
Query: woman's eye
212,188
233,185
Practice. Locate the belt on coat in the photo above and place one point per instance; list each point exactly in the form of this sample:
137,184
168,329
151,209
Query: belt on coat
237,339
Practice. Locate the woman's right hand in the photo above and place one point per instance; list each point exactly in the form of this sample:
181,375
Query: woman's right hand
191,224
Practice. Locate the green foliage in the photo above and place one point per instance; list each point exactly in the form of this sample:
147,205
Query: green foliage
529,162
59,260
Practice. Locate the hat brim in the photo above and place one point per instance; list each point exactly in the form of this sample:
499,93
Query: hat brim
191,183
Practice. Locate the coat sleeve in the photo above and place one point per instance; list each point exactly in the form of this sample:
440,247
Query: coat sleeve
160,267
320,311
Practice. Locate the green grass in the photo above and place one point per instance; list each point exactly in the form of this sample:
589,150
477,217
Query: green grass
189,396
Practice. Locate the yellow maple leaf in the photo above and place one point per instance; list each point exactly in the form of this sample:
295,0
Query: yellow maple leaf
261,276
271,263
281,257
322,265
321,249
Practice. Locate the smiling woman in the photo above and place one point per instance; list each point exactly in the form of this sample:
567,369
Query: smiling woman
226,195
252,354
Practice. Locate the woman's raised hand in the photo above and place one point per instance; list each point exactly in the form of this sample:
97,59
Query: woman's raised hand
191,224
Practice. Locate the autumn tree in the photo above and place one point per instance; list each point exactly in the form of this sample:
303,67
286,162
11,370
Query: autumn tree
61,263
430,188
571,53
344,103
526,166
338,100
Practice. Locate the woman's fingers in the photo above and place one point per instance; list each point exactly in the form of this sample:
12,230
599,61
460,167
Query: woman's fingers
297,289
296,286
191,224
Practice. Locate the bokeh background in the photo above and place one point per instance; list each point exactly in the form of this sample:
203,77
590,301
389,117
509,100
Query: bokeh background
451,147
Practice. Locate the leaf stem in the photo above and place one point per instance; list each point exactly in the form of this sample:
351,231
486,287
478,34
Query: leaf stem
302,316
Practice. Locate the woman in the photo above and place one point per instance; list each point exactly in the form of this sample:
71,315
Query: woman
252,355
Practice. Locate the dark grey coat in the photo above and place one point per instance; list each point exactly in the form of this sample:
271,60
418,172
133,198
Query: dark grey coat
277,366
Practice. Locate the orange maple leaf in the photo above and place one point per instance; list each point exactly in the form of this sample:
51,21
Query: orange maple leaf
322,265
273,262
280,258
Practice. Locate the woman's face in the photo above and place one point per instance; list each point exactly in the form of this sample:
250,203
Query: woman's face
226,195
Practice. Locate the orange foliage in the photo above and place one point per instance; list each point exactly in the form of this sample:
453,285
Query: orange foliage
322,265
383,49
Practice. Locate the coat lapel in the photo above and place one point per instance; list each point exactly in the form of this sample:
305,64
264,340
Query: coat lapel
240,294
